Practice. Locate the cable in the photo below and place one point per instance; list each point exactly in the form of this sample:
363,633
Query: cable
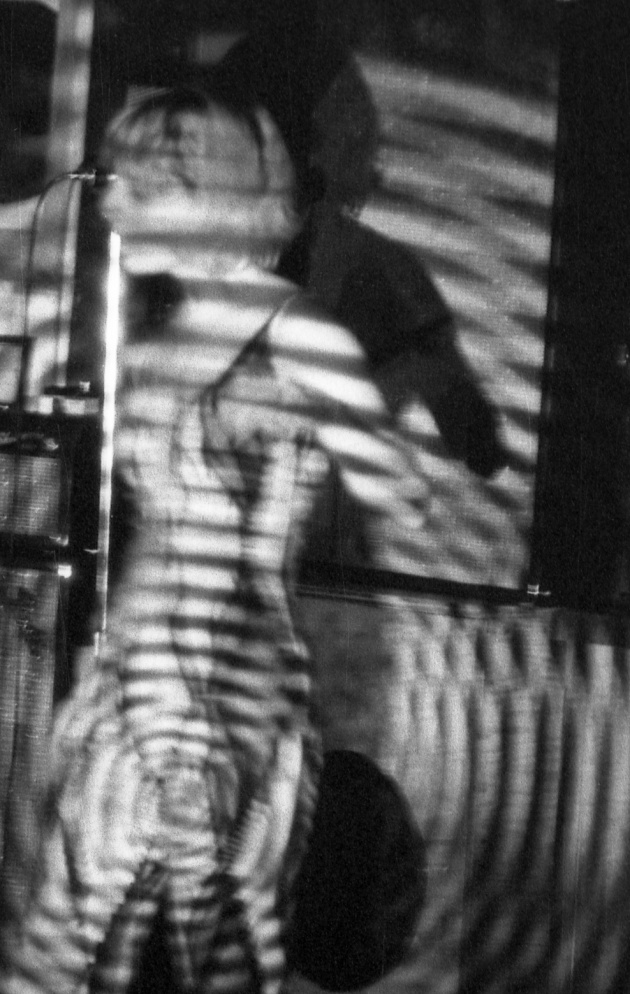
80,175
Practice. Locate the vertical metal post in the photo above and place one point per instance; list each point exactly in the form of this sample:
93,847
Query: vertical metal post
112,334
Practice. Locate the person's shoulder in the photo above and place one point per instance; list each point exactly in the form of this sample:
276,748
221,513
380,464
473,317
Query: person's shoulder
357,246
305,305
400,261
304,327
361,238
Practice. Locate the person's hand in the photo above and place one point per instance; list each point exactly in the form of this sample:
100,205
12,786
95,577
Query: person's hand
469,427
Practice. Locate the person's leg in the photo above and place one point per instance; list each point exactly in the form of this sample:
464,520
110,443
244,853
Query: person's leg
223,910
119,958
97,830
57,946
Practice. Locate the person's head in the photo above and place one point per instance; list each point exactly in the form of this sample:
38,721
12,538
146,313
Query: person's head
344,138
203,184
323,107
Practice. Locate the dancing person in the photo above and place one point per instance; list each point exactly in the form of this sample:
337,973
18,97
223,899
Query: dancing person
184,763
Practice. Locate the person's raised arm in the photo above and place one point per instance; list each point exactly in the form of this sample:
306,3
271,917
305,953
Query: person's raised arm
352,423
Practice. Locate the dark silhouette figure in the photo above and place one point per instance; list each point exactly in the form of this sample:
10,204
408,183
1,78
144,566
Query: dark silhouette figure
375,285
379,288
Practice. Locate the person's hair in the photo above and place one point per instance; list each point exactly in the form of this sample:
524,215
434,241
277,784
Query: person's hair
167,138
320,100
289,80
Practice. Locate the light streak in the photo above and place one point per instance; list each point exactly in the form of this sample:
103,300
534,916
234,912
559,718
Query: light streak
112,335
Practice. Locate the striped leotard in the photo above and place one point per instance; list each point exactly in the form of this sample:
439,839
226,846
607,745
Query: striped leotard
185,763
